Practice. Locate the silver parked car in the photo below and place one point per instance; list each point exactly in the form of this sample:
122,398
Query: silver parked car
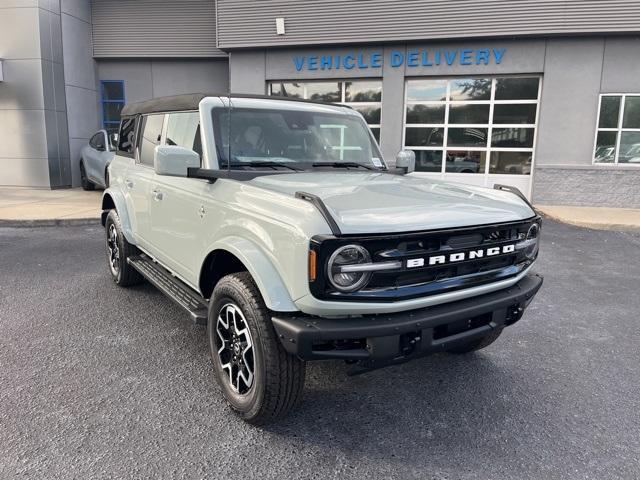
95,158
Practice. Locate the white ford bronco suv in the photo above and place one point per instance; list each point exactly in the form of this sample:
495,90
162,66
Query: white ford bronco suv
278,224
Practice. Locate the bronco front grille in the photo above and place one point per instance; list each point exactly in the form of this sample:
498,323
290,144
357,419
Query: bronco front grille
425,257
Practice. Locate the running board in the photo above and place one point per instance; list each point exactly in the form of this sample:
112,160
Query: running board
172,287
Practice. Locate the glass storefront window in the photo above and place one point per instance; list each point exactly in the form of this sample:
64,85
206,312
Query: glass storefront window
609,112
514,88
324,92
425,90
467,137
430,114
506,113
512,163
465,161
485,125
470,89
469,114
618,133
429,161
283,89
363,91
629,148
423,137
365,96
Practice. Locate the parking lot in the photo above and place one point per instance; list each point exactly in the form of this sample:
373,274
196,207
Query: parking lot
98,381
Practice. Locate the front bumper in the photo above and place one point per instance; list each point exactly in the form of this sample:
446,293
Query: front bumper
397,337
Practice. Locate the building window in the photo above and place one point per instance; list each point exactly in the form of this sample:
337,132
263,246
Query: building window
112,99
472,125
618,132
365,96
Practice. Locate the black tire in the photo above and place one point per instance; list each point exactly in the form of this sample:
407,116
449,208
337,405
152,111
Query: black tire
278,377
118,251
86,184
478,344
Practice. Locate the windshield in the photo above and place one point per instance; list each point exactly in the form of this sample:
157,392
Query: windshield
293,139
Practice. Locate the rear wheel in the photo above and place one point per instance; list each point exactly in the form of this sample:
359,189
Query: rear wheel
478,344
84,181
258,378
118,251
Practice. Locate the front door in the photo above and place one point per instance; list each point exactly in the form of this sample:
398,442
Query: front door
177,206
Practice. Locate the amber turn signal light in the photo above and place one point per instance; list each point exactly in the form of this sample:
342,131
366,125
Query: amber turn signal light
313,268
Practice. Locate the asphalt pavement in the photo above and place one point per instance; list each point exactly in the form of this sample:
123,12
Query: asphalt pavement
102,382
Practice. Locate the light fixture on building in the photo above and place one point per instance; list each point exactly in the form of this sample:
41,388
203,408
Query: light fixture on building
280,25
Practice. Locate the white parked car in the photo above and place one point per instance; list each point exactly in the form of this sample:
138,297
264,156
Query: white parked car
95,157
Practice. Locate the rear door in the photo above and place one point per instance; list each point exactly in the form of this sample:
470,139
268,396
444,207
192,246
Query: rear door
140,175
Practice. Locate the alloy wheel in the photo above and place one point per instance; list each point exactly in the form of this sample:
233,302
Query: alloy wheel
113,249
235,348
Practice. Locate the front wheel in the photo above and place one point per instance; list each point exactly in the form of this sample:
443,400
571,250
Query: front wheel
84,180
258,378
478,344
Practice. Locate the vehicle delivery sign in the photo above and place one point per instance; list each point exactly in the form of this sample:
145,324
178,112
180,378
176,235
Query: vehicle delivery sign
411,58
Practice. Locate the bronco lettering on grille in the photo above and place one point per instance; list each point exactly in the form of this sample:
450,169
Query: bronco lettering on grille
460,256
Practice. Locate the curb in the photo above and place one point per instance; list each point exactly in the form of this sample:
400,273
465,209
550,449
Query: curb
53,222
617,227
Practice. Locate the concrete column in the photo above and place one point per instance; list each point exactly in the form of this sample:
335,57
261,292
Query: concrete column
34,145
392,108
80,87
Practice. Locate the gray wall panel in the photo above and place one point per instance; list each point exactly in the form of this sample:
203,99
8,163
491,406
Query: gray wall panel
135,73
154,28
246,23
172,77
247,72
146,79
22,87
569,104
621,71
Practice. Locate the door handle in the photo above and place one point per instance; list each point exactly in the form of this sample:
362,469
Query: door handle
157,195
128,183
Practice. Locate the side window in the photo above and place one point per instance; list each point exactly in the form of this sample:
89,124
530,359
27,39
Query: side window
183,130
127,136
93,143
150,138
99,141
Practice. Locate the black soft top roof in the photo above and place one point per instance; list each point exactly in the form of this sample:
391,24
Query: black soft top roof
190,101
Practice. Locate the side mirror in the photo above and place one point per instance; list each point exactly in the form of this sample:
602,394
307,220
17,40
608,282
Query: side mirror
174,160
406,160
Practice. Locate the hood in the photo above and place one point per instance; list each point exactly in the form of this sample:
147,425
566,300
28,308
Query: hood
373,202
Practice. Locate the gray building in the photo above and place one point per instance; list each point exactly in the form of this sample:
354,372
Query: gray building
541,95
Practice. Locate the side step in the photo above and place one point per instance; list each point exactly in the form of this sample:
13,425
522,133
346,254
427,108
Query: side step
172,287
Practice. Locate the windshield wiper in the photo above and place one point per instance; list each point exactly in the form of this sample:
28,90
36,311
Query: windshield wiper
273,165
342,165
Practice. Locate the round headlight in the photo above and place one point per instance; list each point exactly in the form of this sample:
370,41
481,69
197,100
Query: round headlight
532,241
343,278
